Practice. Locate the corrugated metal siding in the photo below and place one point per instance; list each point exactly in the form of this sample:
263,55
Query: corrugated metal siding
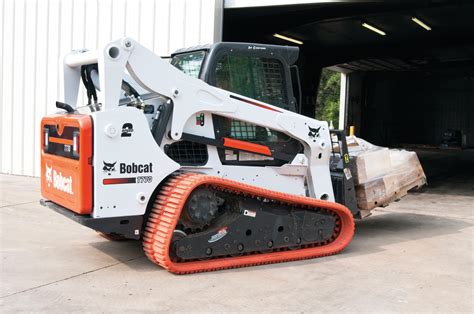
34,33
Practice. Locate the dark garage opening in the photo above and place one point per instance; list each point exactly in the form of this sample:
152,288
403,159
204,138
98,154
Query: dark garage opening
411,88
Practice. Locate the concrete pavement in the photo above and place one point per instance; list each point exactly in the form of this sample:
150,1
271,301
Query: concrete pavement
415,255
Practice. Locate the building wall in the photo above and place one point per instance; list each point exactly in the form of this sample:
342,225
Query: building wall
34,34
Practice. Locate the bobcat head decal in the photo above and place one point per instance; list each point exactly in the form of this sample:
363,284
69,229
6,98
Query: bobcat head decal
313,132
49,175
109,167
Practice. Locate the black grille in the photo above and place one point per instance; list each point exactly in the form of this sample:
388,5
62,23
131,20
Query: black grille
187,153
274,86
59,149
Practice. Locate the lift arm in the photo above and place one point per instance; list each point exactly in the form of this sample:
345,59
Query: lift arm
191,95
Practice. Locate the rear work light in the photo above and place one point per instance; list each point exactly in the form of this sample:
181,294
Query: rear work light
75,143
46,138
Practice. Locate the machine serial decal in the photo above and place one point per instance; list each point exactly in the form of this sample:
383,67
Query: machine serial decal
348,173
250,213
219,235
127,130
58,181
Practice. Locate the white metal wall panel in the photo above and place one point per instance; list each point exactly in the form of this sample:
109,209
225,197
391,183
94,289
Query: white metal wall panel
35,33
239,4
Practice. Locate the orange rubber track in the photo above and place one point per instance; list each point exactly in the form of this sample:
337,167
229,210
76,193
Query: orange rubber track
169,202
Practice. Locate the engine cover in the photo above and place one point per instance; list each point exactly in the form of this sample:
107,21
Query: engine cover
66,161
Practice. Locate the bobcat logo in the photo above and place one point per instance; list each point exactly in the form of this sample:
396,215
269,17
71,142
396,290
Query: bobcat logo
313,132
56,180
109,167
49,175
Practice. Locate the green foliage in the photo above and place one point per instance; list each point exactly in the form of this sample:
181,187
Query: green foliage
327,101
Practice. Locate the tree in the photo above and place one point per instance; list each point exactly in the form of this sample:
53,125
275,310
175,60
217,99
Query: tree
327,100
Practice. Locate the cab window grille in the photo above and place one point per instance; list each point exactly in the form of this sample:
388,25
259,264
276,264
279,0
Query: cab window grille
255,77
187,153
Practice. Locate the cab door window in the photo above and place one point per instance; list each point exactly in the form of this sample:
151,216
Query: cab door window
259,78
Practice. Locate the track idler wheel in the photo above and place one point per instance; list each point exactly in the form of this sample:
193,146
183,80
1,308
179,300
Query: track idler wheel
200,209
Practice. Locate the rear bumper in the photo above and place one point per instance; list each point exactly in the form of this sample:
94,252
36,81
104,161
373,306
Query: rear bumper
129,227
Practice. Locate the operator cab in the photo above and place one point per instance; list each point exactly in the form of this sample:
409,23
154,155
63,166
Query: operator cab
266,73
261,72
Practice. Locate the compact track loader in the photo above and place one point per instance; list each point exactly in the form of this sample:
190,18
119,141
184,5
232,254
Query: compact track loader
205,158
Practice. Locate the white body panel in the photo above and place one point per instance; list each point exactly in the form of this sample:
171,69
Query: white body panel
307,174
273,178
116,200
264,177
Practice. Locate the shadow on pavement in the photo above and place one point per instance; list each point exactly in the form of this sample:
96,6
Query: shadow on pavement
448,171
371,236
390,228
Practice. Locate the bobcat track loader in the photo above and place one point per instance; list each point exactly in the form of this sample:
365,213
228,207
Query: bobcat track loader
204,158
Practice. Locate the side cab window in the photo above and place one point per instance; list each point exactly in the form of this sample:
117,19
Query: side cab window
260,78
190,63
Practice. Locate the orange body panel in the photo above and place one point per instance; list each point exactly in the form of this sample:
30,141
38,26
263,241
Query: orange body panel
65,180
60,140
247,146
